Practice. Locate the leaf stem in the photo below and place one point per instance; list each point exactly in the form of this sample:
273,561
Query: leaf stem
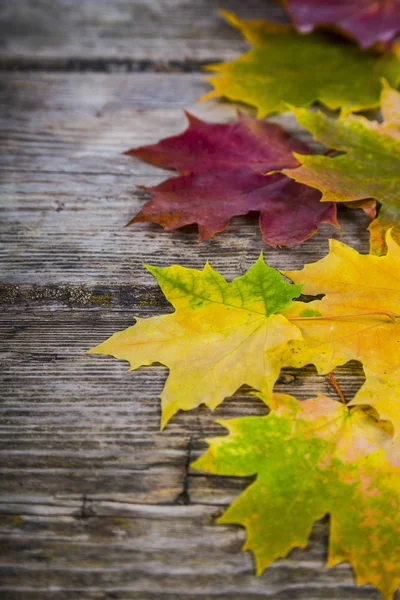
390,315
337,388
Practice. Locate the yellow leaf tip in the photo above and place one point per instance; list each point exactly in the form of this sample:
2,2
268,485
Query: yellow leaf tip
230,17
165,418
149,268
96,349
209,95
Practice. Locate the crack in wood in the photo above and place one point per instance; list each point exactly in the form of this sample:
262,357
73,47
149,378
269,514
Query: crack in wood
104,65
86,511
184,496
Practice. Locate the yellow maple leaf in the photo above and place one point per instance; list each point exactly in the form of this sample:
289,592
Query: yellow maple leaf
358,318
221,336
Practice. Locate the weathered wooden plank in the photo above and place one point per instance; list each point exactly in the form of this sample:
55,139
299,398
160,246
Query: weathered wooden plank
120,548
67,32
83,115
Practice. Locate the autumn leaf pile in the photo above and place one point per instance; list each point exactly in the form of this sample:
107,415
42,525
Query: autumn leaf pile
319,456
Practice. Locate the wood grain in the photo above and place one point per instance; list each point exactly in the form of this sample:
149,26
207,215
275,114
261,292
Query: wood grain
95,502
100,34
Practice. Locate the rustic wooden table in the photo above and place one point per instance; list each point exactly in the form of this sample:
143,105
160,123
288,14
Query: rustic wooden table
95,503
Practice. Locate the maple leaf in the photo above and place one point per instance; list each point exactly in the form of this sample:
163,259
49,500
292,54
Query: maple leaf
286,67
222,335
369,168
367,21
314,458
223,173
358,318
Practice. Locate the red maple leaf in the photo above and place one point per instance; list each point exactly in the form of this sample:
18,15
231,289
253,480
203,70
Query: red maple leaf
224,172
367,21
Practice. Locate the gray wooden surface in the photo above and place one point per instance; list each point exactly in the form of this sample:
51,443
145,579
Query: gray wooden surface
95,503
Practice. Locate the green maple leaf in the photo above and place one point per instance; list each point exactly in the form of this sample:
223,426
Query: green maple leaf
314,458
287,67
370,167
221,335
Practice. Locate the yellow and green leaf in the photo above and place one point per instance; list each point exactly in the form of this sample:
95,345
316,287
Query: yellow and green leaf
222,335
368,168
311,459
286,67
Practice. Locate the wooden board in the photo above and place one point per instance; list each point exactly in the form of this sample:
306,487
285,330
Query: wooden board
123,34
95,503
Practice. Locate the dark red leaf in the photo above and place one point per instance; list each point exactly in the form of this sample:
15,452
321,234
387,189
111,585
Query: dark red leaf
367,21
224,173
